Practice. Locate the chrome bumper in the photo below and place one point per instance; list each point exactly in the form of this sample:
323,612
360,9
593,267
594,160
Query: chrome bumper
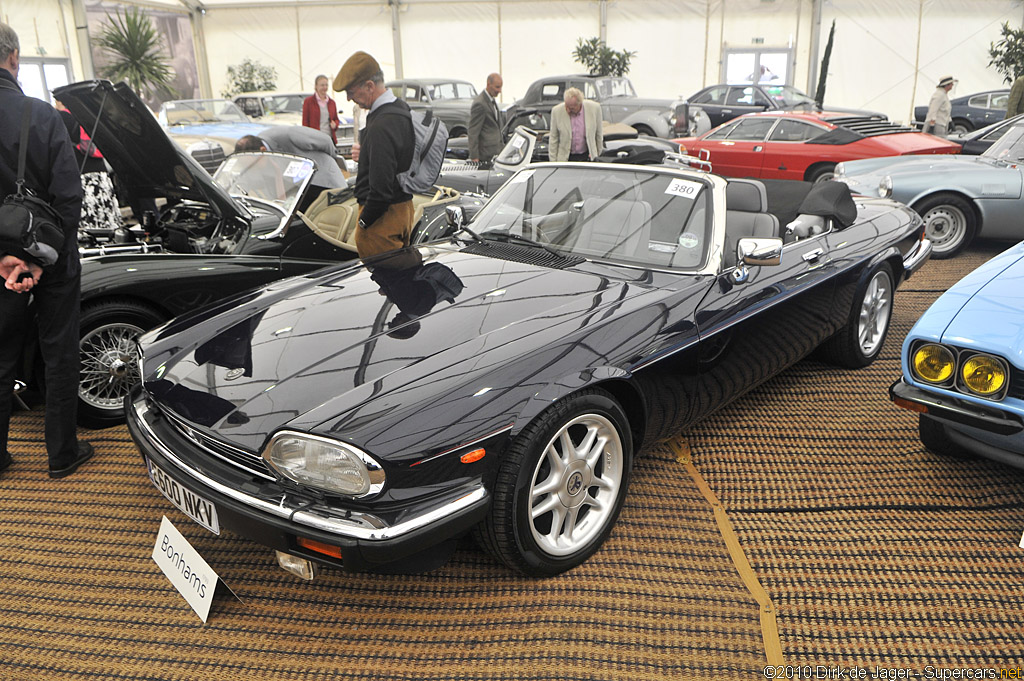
340,522
917,257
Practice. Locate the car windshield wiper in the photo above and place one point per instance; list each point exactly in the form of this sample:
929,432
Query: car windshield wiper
467,230
509,236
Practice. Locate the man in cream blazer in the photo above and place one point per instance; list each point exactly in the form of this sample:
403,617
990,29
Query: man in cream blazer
576,129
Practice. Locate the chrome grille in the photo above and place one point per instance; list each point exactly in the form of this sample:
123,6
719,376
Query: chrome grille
210,159
235,456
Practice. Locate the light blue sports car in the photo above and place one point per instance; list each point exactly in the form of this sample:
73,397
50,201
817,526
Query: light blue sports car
963,365
959,197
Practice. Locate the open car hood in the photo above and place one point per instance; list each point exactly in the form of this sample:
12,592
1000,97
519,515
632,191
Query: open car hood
130,138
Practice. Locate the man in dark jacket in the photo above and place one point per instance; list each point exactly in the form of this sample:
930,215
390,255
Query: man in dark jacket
385,150
51,173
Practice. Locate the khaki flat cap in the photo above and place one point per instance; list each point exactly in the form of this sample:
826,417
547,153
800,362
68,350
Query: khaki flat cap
358,68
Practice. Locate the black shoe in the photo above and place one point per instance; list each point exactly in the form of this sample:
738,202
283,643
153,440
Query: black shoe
85,452
6,462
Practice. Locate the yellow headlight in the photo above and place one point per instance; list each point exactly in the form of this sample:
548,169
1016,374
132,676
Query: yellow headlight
933,363
983,374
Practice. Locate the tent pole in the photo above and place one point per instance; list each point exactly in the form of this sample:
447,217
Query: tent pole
396,38
815,47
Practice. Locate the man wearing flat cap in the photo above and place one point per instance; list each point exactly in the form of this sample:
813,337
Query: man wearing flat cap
940,110
385,150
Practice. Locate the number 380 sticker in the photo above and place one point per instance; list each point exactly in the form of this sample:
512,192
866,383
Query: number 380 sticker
686,188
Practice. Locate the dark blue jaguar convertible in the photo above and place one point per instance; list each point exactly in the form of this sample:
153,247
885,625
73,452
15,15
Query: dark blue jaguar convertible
501,381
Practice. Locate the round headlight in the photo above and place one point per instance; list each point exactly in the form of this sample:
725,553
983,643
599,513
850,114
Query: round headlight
983,374
933,363
840,170
885,187
324,464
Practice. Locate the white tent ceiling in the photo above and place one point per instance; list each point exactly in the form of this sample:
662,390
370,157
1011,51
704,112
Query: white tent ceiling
888,54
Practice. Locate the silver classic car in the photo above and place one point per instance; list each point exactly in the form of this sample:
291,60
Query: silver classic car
959,197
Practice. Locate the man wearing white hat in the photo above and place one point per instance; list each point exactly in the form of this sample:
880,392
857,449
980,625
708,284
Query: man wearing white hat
940,111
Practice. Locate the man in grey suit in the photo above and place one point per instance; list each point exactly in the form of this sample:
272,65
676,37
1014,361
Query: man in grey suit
484,130
300,141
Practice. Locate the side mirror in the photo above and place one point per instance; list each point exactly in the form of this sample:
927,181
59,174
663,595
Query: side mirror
759,251
704,155
455,215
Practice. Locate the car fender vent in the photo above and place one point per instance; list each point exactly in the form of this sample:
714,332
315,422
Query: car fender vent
529,255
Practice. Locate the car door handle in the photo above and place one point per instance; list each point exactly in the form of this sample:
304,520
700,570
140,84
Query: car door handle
811,256
758,147
726,110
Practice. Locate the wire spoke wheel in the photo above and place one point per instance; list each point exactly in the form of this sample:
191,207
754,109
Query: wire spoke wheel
109,365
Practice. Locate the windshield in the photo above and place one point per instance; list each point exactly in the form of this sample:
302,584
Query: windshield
1009,147
265,179
283,103
614,87
788,97
515,149
644,218
186,112
452,91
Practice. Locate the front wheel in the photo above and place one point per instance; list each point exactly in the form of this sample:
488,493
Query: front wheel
959,126
560,488
110,363
949,223
860,341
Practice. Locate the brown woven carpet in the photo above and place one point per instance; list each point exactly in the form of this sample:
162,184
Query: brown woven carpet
873,552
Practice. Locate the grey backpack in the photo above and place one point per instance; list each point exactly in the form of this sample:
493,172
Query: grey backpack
431,136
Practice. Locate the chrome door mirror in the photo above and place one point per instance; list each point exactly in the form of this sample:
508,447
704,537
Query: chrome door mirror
455,216
759,251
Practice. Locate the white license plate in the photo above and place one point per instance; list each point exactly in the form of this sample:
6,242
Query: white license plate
189,503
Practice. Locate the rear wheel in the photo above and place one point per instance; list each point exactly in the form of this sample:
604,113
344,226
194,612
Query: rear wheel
949,223
560,488
643,130
109,359
820,172
936,440
860,341
960,126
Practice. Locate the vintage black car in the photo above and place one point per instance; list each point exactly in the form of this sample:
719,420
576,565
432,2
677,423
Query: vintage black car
616,95
724,102
502,381
971,112
209,237
449,99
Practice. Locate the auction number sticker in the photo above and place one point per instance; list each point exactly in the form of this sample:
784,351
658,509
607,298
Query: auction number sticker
518,142
684,188
294,168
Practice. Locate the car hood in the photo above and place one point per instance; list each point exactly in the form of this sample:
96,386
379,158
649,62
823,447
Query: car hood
985,308
642,102
146,161
307,351
981,311
230,132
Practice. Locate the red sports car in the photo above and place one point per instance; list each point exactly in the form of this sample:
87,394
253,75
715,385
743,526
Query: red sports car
790,145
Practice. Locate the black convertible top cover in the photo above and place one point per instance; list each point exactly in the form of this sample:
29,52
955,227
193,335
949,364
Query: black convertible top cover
831,200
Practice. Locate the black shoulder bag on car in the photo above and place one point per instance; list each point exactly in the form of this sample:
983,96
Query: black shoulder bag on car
29,226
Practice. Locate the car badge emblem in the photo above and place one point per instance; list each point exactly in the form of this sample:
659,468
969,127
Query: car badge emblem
232,374
575,484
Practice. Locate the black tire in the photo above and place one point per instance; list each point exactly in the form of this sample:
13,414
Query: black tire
106,343
644,130
458,132
949,222
860,340
542,545
935,440
960,126
820,172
